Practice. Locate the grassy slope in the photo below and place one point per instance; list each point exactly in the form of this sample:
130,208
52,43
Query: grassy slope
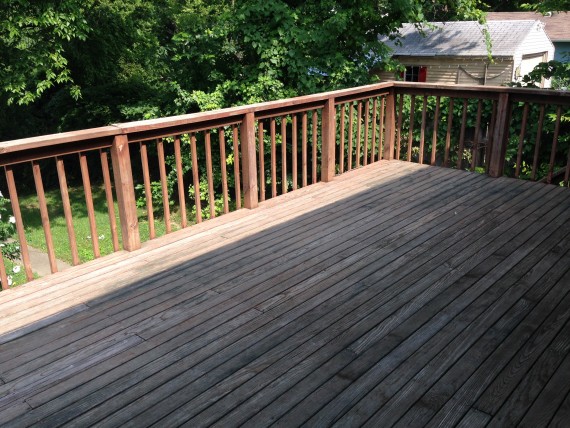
35,234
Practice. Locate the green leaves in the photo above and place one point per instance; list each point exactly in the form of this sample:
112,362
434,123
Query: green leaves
33,37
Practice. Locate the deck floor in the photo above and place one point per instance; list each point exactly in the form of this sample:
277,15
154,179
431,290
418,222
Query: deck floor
398,294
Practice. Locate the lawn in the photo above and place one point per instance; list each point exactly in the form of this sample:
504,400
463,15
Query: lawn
35,234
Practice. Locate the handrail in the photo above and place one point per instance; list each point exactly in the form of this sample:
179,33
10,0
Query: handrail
143,126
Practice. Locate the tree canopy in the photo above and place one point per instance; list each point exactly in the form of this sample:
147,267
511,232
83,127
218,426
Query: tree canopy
69,64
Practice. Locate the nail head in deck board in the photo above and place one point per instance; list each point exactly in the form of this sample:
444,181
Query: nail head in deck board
400,220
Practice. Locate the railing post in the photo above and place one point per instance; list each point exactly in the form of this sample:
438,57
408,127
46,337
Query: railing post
499,138
329,141
125,189
248,159
390,125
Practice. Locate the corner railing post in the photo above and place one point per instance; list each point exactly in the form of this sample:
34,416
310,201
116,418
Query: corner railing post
125,189
248,159
329,141
390,125
499,138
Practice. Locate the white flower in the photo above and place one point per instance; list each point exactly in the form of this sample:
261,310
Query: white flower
88,236
1,195
101,237
16,269
12,219
9,281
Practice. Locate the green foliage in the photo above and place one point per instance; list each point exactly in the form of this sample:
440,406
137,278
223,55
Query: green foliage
33,40
10,249
547,5
558,71
77,64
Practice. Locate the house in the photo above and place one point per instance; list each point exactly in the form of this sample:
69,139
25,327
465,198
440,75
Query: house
456,52
557,27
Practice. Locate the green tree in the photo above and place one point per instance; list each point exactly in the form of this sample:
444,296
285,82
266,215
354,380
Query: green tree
70,64
33,35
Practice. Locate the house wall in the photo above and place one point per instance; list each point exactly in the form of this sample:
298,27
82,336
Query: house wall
465,71
535,48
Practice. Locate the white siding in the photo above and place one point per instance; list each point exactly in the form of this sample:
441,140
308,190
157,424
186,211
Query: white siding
535,48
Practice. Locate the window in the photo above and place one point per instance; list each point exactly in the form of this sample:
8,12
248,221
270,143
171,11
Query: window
415,74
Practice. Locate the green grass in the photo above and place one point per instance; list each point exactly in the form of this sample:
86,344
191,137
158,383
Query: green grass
35,234
16,277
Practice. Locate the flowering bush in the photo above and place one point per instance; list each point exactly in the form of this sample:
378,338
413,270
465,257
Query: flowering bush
10,249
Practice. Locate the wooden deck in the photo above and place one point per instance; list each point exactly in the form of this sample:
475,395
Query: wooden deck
398,294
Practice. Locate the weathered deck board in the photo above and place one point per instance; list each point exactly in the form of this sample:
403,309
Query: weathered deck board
398,294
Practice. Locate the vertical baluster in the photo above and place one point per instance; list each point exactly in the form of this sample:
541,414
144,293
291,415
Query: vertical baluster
374,123
358,131
89,204
44,215
222,140
67,210
381,129
366,125
210,174
423,130
283,154
435,129
411,130
163,184
109,197
314,135
261,158
462,135
567,173
399,126
237,178
475,155
147,190
3,274
14,201
537,143
273,158
304,148
350,132
180,181
554,145
341,158
448,134
196,178
521,141
489,134
294,151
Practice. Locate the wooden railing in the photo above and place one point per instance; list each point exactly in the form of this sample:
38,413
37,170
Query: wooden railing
485,128
201,165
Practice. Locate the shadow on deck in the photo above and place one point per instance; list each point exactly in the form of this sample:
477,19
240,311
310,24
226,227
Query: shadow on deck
398,294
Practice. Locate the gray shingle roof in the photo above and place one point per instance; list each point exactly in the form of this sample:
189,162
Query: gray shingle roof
461,38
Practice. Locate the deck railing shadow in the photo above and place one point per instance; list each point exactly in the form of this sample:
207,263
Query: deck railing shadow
194,299
188,269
